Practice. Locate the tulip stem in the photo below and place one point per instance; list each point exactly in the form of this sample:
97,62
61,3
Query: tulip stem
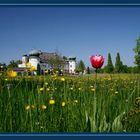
95,79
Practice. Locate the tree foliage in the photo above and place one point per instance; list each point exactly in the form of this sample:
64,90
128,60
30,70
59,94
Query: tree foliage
80,67
14,63
109,67
38,69
118,64
137,53
56,61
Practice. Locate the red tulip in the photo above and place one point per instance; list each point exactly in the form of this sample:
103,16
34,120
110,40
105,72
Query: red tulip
97,61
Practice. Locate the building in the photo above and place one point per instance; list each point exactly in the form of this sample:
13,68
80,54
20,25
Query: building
47,61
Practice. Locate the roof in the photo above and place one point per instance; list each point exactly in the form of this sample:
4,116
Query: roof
34,52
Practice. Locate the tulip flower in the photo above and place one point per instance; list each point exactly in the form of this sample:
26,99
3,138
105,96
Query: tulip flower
97,61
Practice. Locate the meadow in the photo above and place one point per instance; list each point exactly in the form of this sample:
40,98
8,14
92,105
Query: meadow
110,103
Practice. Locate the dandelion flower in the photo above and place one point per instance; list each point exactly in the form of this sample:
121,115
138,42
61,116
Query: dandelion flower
71,88
46,83
51,102
43,107
48,89
62,79
79,88
12,73
63,104
76,101
41,89
32,106
27,107
93,89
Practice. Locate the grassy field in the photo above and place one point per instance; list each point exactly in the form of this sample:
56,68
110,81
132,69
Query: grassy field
70,103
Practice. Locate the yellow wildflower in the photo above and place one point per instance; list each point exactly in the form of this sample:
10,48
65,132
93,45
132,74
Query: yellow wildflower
76,101
62,79
32,68
28,64
43,107
12,73
48,89
71,88
46,83
79,88
52,102
93,89
41,89
27,107
32,106
63,104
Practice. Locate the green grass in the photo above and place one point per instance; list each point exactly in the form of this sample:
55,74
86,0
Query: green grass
110,104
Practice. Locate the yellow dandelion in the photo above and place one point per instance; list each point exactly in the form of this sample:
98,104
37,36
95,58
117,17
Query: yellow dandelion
41,89
32,106
46,83
51,102
12,73
32,68
28,64
79,88
111,89
75,101
109,79
48,89
62,79
27,107
63,104
93,89
43,107
71,88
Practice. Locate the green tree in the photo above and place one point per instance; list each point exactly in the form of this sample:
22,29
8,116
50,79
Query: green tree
88,70
118,64
80,67
137,53
110,67
14,63
38,69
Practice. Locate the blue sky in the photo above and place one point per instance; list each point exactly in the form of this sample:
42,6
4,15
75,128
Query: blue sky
73,31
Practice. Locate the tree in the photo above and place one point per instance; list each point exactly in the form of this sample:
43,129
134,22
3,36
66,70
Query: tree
38,69
14,63
137,53
88,70
80,67
56,61
110,67
118,64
